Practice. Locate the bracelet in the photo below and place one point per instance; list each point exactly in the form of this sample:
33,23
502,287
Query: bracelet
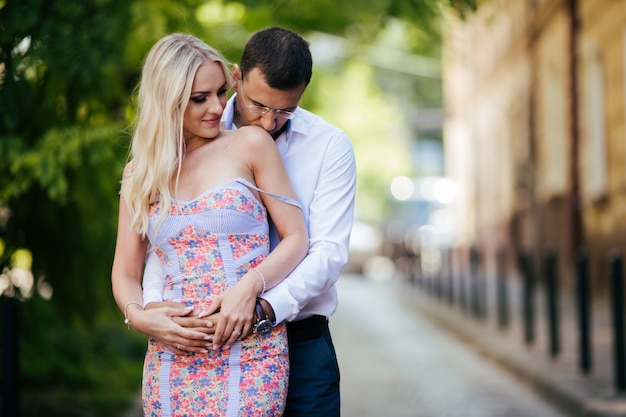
262,279
126,319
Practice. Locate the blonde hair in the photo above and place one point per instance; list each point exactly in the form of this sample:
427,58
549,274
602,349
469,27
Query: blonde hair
157,146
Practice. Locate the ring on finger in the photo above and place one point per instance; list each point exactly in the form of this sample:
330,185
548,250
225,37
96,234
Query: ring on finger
237,332
178,346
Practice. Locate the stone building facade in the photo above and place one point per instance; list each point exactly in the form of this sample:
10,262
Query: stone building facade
535,131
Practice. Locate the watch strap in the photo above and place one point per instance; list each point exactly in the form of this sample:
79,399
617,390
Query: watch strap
260,313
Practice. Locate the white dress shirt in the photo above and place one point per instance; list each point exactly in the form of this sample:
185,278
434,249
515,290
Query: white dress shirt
320,162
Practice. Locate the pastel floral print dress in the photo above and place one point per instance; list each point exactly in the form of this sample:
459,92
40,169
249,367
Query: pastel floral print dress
205,246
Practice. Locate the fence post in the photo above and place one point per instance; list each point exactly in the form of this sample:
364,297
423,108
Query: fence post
503,297
448,262
463,297
617,295
584,310
550,271
528,297
476,283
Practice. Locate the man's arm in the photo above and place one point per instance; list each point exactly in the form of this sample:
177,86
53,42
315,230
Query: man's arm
331,213
153,280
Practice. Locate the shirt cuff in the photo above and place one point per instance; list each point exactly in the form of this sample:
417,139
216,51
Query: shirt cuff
282,303
152,296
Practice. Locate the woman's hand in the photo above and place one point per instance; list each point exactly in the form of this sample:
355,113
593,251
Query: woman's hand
174,326
236,314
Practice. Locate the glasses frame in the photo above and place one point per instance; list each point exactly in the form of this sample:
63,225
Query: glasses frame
262,110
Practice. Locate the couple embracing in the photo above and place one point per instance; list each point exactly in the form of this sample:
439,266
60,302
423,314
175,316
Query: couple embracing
234,222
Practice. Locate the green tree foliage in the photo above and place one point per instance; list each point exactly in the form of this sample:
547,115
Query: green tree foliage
67,73
64,89
356,19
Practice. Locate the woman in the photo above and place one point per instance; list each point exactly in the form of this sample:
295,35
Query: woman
199,197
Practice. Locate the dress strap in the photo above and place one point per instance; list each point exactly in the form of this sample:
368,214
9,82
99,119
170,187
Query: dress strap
276,196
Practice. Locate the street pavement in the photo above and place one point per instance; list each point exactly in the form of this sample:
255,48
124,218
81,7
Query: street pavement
404,353
396,362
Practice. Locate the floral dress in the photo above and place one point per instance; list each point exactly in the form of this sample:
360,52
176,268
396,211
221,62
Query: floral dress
205,246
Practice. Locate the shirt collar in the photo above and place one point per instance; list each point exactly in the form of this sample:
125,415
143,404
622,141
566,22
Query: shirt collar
228,115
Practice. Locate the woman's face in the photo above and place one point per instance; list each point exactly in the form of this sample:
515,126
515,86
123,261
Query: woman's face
206,103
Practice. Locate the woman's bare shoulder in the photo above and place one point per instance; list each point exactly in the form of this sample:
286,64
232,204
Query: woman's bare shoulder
253,134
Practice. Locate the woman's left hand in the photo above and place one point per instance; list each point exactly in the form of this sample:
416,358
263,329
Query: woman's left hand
234,318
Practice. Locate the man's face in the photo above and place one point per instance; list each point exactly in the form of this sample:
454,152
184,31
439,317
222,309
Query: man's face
254,91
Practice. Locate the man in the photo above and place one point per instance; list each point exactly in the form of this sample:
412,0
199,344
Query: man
274,71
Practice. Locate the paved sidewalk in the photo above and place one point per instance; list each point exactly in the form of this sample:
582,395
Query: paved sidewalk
396,362
558,378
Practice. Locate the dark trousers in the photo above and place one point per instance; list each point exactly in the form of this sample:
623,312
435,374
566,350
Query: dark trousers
313,370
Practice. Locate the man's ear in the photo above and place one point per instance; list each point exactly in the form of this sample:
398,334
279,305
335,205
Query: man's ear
237,76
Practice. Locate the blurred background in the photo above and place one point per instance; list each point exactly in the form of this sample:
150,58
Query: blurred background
489,136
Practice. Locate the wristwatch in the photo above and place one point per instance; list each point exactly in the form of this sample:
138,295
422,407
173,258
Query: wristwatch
263,325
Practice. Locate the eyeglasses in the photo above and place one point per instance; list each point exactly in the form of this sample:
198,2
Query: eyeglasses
256,109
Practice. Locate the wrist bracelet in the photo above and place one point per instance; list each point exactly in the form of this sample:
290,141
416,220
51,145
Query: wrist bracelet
126,319
262,279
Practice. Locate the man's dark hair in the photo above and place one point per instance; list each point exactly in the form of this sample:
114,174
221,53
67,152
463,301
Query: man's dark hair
282,56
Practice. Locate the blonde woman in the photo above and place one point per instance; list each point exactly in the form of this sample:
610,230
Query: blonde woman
199,198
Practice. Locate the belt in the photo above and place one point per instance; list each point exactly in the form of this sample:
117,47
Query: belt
306,329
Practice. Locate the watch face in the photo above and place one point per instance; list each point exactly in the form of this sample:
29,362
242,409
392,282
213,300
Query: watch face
264,327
